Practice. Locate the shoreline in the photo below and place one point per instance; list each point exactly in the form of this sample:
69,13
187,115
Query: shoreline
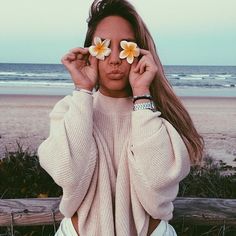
65,90
26,118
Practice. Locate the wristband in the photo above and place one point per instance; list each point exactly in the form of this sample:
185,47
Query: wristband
145,96
83,90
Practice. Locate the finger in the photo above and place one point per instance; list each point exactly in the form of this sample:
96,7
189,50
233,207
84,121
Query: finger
71,56
65,61
144,52
142,67
65,58
83,51
93,62
134,64
137,68
83,57
68,58
80,53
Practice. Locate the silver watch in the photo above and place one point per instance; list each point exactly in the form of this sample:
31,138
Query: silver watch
143,106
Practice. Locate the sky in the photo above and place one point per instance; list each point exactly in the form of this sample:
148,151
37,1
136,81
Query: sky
186,32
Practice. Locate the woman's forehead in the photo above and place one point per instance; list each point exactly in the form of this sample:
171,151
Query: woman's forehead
115,27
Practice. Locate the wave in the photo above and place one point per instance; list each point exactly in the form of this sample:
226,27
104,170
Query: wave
34,84
69,83
7,73
172,75
229,85
35,80
191,78
220,78
200,75
224,76
21,74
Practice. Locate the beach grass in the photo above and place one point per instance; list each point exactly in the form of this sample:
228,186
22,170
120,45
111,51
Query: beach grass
21,176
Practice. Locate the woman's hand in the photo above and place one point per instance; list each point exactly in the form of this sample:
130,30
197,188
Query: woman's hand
142,73
84,72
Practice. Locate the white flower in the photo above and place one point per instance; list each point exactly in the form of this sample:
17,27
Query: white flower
130,51
100,50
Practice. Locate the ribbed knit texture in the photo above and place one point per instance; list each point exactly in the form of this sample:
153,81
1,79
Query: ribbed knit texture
117,167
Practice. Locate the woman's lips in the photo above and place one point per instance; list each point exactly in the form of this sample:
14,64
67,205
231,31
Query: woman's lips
115,74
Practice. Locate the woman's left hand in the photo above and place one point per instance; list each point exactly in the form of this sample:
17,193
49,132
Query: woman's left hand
142,73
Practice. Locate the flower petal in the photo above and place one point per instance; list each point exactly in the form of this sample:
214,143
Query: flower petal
107,52
132,45
123,54
100,56
130,59
106,43
136,52
92,51
97,40
124,44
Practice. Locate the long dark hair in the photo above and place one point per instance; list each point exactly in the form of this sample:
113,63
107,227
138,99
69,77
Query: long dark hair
167,102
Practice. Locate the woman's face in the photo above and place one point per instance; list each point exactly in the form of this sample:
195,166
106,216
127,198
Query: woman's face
113,71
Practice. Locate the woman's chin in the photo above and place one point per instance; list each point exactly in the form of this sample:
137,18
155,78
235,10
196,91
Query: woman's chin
120,90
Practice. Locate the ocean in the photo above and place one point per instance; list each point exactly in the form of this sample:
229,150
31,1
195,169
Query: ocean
53,79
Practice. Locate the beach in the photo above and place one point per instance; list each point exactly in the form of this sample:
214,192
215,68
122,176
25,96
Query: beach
215,120
25,119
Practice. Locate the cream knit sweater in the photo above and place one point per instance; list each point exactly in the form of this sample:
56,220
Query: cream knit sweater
116,166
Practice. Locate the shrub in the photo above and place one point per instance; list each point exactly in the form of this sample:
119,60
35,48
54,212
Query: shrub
213,179
21,176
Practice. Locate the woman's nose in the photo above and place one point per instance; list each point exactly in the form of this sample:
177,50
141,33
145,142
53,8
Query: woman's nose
114,57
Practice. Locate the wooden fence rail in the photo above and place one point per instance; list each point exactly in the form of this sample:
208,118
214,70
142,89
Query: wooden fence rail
44,211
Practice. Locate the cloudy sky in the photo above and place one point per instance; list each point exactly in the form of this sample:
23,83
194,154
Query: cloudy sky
186,32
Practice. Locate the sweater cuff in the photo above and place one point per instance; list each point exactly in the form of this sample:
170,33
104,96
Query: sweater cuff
145,123
82,100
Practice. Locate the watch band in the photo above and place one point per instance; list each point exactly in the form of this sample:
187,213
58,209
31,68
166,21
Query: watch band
143,106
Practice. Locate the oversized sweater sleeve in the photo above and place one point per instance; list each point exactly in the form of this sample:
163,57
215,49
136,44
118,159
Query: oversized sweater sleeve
158,161
69,153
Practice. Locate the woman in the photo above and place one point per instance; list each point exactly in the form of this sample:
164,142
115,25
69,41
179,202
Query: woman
120,153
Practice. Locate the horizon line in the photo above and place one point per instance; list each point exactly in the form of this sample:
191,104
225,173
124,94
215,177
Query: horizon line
44,63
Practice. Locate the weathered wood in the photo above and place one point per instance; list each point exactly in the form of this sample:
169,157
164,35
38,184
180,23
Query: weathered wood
205,211
43,211
36,211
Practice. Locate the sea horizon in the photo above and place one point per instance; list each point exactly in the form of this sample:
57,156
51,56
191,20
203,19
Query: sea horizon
54,63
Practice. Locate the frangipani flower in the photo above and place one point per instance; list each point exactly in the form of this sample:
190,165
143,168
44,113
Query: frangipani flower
100,50
130,51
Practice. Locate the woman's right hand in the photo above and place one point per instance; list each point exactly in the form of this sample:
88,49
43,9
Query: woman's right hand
82,67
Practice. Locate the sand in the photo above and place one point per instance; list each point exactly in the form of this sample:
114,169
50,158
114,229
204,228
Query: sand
25,118
215,119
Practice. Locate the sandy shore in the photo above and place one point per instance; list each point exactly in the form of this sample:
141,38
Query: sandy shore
215,119
25,118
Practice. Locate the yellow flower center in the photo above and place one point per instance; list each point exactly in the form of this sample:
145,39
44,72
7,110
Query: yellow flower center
100,48
130,50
